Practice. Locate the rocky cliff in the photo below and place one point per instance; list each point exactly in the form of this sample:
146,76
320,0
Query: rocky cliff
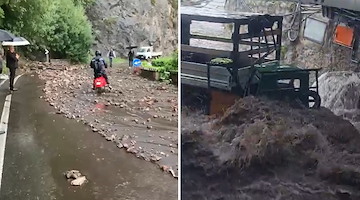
120,23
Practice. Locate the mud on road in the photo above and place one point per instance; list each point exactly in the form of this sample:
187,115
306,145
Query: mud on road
137,115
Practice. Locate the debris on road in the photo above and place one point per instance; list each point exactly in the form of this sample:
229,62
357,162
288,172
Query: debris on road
72,174
77,179
134,110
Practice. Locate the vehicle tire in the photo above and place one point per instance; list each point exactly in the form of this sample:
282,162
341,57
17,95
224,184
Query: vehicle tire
316,97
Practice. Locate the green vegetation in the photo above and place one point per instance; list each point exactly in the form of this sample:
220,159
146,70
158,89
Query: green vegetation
116,61
164,65
221,61
153,2
85,3
174,4
5,70
58,25
284,50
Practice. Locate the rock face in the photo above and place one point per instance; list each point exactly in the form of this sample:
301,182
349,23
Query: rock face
119,24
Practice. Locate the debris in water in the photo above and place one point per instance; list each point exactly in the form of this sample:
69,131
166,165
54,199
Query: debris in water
155,158
269,148
169,169
77,179
111,138
72,174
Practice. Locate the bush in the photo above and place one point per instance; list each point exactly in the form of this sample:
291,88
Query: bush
71,37
169,63
164,66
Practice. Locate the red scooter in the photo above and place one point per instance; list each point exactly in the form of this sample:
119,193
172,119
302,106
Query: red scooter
99,84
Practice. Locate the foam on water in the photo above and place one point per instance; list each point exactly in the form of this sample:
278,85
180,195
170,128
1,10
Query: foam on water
340,92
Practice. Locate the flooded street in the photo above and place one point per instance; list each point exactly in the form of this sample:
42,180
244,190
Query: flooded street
41,145
137,115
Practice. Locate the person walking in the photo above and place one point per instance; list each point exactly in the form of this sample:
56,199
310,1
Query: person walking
131,57
111,56
12,59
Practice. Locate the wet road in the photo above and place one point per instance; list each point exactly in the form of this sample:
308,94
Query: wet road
41,146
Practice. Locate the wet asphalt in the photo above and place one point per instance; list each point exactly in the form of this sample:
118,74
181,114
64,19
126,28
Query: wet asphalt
42,145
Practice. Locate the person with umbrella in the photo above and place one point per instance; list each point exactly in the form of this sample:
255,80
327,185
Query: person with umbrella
12,59
131,57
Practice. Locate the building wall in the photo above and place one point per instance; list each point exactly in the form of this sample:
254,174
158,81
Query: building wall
303,52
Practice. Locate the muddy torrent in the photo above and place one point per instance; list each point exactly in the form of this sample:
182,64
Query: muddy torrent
261,149
340,92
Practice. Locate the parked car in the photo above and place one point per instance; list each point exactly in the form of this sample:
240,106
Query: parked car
147,53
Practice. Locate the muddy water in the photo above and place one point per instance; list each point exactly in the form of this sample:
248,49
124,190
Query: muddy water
340,92
218,163
137,115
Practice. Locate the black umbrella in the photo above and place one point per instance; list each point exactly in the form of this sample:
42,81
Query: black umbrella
131,47
6,36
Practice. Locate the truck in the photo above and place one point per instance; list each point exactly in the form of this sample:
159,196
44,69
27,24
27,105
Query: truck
147,53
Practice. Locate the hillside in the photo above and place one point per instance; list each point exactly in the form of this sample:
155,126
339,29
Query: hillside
119,24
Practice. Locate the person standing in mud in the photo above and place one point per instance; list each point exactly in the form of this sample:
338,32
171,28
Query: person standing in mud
99,65
131,57
12,59
111,56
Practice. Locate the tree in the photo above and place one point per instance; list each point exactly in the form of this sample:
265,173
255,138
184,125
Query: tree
60,25
70,37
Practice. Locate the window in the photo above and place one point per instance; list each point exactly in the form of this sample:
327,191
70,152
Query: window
315,30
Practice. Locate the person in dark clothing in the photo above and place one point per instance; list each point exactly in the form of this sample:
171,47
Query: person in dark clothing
12,59
111,56
1,61
99,65
131,58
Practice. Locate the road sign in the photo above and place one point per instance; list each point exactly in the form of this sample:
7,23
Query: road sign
137,62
